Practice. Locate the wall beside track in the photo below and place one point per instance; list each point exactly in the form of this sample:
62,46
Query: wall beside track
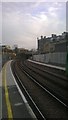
53,58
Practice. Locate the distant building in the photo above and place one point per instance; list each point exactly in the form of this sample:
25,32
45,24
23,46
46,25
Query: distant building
42,42
22,50
53,44
15,46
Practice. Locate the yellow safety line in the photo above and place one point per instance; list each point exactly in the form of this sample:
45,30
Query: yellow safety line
9,110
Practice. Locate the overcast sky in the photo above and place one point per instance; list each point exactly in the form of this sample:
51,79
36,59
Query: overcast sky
23,22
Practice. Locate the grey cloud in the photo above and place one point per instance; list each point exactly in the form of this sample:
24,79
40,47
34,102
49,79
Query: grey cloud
23,28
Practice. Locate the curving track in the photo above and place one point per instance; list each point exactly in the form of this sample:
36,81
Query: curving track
47,97
57,84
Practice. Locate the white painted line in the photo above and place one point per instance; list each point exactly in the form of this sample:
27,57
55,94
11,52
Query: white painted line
23,97
18,104
31,100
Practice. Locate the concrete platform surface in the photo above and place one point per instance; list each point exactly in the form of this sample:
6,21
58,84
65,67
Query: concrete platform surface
13,104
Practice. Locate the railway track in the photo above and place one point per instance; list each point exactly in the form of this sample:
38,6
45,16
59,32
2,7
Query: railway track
55,83
58,71
45,103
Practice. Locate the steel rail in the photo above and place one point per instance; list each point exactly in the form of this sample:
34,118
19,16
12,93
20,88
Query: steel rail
44,88
49,78
54,74
47,65
38,113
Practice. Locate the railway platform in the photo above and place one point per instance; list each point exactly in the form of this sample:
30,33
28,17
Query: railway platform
13,103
